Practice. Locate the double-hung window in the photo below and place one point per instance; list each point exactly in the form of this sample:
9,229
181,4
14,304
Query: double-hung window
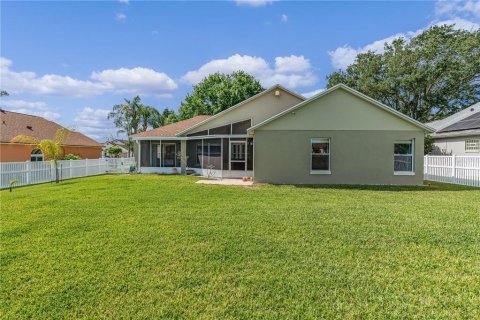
472,145
320,156
403,157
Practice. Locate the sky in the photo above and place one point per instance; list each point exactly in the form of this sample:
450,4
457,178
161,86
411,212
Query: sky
70,62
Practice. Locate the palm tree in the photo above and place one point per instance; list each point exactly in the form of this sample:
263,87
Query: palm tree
149,116
126,117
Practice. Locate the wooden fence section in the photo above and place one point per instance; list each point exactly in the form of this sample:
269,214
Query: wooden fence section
25,173
463,170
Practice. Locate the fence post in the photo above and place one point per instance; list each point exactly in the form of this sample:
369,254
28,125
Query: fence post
29,173
454,164
70,168
426,167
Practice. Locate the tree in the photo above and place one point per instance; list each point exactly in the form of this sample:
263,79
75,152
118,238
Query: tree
218,92
429,143
52,148
3,93
132,117
432,76
149,116
114,151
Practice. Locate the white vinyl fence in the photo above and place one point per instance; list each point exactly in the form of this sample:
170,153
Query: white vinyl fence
26,173
453,169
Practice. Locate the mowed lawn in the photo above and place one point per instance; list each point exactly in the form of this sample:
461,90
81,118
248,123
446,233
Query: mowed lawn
150,246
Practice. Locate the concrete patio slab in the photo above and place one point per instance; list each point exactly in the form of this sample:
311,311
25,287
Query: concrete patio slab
227,182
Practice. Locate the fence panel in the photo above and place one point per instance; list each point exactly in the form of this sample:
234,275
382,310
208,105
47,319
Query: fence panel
463,170
25,173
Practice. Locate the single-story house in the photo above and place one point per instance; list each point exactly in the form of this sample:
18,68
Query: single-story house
117,143
13,124
458,134
339,136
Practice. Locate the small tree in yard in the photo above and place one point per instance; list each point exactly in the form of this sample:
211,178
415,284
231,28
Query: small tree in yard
114,151
52,149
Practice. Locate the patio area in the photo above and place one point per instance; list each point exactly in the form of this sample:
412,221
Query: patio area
227,182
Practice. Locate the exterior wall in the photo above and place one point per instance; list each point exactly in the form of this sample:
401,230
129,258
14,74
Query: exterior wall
258,110
340,110
453,145
21,152
356,157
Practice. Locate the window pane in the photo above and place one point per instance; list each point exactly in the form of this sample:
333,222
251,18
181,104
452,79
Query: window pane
403,148
238,165
320,147
403,163
320,162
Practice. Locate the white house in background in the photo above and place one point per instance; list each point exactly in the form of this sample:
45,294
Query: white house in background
116,142
458,134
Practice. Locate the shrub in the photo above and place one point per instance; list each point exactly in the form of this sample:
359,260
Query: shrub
72,156
114,151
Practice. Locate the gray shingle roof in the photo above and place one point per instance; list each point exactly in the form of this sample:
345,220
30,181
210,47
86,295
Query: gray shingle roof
471,122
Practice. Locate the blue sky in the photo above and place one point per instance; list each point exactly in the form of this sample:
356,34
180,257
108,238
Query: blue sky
72,61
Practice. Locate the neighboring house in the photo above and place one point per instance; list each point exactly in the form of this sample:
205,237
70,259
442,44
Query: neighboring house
13,124
339,136
118,143
458,134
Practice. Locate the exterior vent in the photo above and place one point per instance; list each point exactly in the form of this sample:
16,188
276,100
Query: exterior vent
277,93
29,128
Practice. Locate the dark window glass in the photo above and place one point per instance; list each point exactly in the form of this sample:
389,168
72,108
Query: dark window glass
241,127
220,130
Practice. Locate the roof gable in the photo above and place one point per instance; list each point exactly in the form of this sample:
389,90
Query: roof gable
340,108
258,108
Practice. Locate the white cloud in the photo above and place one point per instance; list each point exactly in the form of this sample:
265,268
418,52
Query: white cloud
34,108
253,3
344,56
123,1
94,123
284,18
291,71
136,80
312,93
121,16
457,7
23,104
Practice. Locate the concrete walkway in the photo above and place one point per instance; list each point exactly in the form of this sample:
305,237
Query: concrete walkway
227,182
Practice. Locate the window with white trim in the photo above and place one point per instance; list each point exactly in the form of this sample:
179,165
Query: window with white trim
320,155
36,155
403,157
472,145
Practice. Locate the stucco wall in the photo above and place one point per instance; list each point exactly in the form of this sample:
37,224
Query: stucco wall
20,152
356,157
454,145
258,110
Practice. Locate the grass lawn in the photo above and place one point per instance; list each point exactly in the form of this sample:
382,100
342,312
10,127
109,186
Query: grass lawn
164,247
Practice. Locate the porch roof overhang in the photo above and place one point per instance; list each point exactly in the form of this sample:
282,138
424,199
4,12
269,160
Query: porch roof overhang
233,136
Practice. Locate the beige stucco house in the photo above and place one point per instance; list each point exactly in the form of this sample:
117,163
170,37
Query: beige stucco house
339,136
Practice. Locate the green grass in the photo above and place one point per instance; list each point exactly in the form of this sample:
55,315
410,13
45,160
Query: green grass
164,247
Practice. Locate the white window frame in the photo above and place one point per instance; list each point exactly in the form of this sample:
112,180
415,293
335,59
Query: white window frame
472,145
321,140
412,155
38,155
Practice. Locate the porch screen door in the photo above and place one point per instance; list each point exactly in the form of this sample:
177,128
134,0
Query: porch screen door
168,154
237,155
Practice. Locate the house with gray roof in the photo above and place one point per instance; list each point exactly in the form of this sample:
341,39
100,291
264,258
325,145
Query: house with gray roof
458,134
